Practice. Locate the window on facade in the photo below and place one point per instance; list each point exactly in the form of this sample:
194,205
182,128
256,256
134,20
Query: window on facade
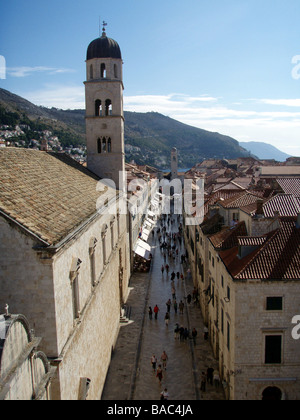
112,235
103,71
228,293
91,72
74,277
108,107
274,304
109,145
98,108
273,349
75,296
92,248
228,335
222,320
115,71
99,145
192,246
104,145
104,251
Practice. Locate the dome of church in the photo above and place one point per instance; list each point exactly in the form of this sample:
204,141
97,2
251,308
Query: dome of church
103,47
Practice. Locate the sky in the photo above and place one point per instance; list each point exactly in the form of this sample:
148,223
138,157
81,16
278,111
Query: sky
231,66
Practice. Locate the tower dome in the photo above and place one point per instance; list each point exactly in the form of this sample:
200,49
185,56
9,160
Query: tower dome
104,47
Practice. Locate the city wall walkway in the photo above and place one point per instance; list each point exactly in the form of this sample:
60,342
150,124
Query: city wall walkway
130,375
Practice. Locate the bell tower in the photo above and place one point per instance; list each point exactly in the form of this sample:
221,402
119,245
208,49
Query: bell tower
174,163
104,109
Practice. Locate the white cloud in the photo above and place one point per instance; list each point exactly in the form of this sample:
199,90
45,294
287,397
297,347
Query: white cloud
57,96
282,102
29,71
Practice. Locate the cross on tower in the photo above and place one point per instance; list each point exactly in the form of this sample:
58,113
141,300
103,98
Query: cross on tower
104,24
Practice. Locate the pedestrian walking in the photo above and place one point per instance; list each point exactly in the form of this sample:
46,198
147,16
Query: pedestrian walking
156,310
194,335
186,334
162,269
216,379
176,332
203,382
153,362
169,303
173,293
164,359
164,396
205,331
167,319
210,375
175,306
181,333
181,307
159,374
150,313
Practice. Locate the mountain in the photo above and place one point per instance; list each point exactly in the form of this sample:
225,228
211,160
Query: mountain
149,137
156,134
265,151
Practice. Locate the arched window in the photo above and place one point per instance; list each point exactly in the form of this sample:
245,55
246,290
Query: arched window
92,247
104,250
99,145
91,72
116,71
98,108
109,145
74,277
103,71
108,107
104,145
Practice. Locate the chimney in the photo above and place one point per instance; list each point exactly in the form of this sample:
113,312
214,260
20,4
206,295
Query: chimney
44,145
260,208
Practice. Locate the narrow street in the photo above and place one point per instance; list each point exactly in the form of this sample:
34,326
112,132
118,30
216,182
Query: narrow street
131,376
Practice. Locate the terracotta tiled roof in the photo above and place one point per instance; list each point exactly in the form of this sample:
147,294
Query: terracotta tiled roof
228,238
49,194
277,259
239,200
286,204
290,186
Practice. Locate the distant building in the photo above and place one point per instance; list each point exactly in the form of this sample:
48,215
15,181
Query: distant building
174,163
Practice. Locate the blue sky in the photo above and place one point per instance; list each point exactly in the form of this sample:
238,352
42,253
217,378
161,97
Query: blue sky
228,66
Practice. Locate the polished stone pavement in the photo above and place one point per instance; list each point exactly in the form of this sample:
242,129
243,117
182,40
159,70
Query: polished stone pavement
130,376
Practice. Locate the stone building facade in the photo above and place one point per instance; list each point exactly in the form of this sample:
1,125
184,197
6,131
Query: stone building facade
247,275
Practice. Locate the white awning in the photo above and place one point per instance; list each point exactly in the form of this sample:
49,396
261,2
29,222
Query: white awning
142,249
145,234
142,253
150,221
148,225
144,245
